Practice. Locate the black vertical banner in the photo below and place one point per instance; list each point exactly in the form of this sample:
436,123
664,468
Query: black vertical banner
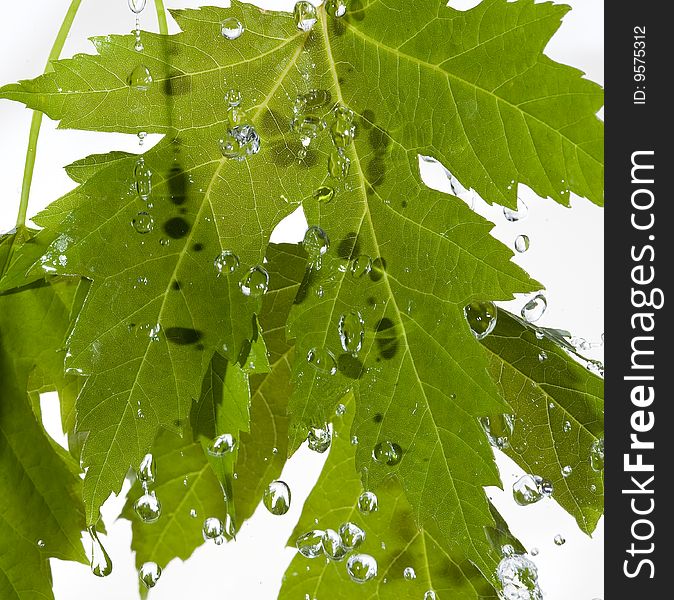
639,271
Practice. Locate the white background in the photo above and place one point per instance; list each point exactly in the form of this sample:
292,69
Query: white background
566,254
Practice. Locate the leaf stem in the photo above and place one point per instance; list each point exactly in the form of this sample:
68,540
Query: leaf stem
161,16
36,122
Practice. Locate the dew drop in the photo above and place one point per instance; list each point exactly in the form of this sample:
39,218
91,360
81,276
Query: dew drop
542,356
226,263
597,455
566,427
316,244
322,360
430,595
319,439
148,508
343,130
149,574
340,410
352,535
351,329
516,215
361,266
338,164
277,498
522,243
221,445
533,310
41,543
193,513
213,529
143,179
518,578
231,28
233,97
368,503
143,222
409,574
567,470
499,430
239,142
140,78
137,6
332,545
530,489
336,8
559,540
147,471
310,544
307,127
361,567
534,552
387,453
481,318
101,565
305,15
324,194
255,283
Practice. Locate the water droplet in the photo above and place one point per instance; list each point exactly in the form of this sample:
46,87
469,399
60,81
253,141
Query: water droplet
319,439
597,455
518,577
340,410
352,535
351,329
41,543
430,595
239,142
368,503
226,262
409,574
101,565
322,360
305,15
143,222
540,334
137,6
499,430
361,567
193,513
566,427
332,545
256,282
343,130
529,489
522,243
140,78
507,550
231,28
481,318
336,8
233,97
361,266
149,574
533,310
559,540
310,544
387,453
316,244
542,356
221,445
354,440
277,498
143,179
147,471
516,215
148,508
324,194
307,127
567,470
534,552
338,164
213,529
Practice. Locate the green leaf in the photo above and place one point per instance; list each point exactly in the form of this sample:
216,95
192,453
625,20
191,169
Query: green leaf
40,509
559,414
391,537
81,170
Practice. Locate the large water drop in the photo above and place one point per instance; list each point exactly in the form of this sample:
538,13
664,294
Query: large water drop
324,194
322,360
213,529
221,445
481,318
148,508
352,535
231,28
332,545
409,573
137,6
239,142
305,15
522,243
499,430
597,455
256,282
277,498
387,453
518,577
316,244
147,471
140,78
361,567
534,309
226,262
351,329
368,503
149,574
319,439
101,565
336,8
310,544
530,489
143,179
339,164
143,222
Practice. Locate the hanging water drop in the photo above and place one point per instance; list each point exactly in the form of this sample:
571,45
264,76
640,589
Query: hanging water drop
143,179
148,508
332,545
530,489
255,283
310,544
143,223
213,529
226,263
240,142
351,330
147,471
322,360
559,540
352,535
316,244
277,498
338,164
336,8
101,565
140,78
221,445
368,503
518,578
231,28
481,318
137,6
319,439
499,430
305,15
522,243
149,574
409,574
387,453
597,455
361,266
516,215
361,567
324,194
533,310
